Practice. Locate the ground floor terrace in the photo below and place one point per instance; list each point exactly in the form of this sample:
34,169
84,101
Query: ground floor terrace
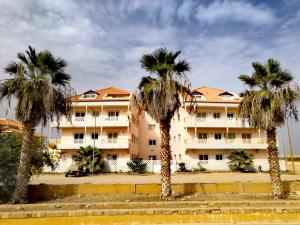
115,159
211,159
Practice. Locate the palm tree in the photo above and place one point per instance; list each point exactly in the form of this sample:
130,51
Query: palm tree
84,159
240,160
41,88
268,101
160,97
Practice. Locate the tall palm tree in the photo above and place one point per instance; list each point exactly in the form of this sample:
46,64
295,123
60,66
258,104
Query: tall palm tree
160,97
40,86
268,101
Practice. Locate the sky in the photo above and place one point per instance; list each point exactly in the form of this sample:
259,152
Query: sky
102,41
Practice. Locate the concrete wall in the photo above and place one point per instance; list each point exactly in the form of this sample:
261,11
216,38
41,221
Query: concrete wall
47,191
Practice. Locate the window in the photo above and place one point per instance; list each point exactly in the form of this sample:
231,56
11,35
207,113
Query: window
230,115
231,136
246,138
112,137
95,114
217,115
201,116
152,142
203,157
197,96
94,136
78,136
114,113
202,136
112,157
80,114
151,126
89,95
218,136
152,157
219,157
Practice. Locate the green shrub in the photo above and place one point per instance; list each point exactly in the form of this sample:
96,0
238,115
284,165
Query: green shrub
10,148
137,166
84,159
240,161
182,167
200,168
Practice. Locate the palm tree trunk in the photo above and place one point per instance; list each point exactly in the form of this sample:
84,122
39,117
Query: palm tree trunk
165,157
274,169
23,175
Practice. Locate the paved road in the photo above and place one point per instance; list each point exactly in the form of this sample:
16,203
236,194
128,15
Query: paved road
155,178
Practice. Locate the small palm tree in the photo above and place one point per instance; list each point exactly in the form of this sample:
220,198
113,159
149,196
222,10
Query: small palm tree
267,102
84,159
160,96
240,160
40,87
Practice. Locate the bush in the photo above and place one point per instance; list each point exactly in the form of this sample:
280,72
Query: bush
137,166
10,148
182,167
240,161
84,159
200,168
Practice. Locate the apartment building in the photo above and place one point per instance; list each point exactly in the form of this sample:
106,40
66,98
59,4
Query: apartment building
105,119
206,129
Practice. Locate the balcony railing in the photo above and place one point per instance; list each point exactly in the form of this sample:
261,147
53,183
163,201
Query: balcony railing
79,118
90,121
214,122
78,141
101,143
237,143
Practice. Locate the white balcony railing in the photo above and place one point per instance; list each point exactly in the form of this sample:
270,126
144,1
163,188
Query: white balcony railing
101,143
90,121
238,143
212,122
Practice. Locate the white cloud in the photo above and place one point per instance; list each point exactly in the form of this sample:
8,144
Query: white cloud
186,9
239,11
103,41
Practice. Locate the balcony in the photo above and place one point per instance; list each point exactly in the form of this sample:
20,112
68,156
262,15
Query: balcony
211,122
238,143
102,143
89,121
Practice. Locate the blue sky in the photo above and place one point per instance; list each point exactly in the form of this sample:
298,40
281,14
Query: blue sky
103,40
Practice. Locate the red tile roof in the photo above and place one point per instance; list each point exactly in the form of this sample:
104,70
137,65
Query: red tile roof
104,95
215,95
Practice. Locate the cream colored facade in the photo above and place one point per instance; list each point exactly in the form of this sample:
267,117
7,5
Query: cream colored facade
206,129
105,119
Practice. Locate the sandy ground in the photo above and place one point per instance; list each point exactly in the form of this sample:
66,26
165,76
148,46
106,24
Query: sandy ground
155,178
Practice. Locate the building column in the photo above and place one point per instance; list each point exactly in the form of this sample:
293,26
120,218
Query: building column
85,121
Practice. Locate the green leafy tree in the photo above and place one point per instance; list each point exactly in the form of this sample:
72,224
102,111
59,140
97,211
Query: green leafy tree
41,88
160,96
269,99
240,161
137,166
10,149
84,159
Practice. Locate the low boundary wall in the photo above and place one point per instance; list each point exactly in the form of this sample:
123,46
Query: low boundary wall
48,191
